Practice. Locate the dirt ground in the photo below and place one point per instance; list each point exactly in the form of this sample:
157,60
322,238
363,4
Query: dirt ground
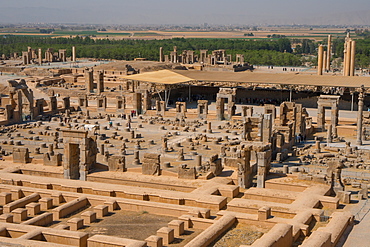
240,234
136,225
127,224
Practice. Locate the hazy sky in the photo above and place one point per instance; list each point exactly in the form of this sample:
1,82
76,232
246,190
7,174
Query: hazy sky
187,11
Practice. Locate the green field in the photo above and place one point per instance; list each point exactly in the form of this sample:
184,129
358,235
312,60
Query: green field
88,33
147,34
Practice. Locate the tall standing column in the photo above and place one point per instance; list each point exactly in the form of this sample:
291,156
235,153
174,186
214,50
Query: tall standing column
361,96
175,54
73,54
348,58
344,58
320,60
353,58
160,54
324,61
328,54
40,56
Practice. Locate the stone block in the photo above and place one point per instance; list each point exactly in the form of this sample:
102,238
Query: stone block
33,208
168,235
8,218
46,203
88,217
16,194
344,196
62,227
75,224
177,226
57,198
112,205
154,241
101,210
5,198
205,213
264,213
187,221
20,214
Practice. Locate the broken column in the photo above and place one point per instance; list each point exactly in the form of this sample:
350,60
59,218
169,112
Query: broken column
329,138
361,96
136,158
263,167
209,127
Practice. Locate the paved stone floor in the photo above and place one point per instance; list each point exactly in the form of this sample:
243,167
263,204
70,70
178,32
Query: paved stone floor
359,235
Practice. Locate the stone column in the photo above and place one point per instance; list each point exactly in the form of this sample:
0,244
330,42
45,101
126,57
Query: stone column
160,54
40,56
321,117
348,59
261,169
317,146
320,59
353,58
102,149
324,57
198,160
329,138
328,54
73,54
334,120
209,127
175,54
136,158
359,115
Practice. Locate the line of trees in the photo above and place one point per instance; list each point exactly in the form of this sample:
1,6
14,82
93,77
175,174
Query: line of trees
262,52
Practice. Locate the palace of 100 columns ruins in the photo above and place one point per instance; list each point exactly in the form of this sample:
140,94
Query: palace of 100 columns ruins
193,150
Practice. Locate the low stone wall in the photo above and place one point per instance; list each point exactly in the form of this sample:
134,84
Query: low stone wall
173,197
40,220
109,241
141,183
338,224
213,232
285,187
252,207
49,234
279,236
20,203
318,239
69,207
121,203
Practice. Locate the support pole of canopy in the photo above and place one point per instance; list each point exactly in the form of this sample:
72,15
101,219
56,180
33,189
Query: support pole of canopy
159,94
168,96
165,97
189,92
